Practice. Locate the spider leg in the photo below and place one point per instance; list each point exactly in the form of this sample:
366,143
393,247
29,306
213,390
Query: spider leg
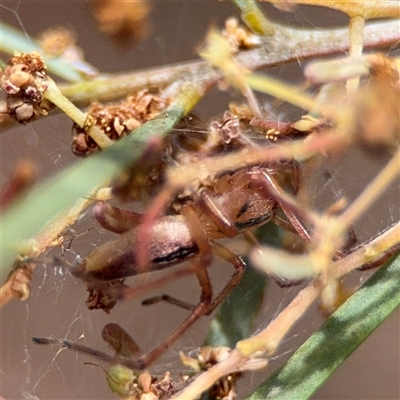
291,210
234,280
115,219
212,209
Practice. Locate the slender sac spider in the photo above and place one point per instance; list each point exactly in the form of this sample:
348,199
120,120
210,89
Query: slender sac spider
233,203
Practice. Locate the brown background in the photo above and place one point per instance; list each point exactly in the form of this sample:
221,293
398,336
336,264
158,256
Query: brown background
56,307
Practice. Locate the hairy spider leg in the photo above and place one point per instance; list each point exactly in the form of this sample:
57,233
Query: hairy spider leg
291,209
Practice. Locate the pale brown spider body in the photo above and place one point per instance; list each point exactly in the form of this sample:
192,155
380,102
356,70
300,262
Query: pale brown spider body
234,205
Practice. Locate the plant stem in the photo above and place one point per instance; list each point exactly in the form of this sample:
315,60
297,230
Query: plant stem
338,337
269,338
253,17
277,49
54,95
366,9
373,191
286,45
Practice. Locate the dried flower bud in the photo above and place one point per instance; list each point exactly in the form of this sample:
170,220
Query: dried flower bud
19,76
208,356
122,21
239,37
376,108
117,120
57,40
24,81
23,112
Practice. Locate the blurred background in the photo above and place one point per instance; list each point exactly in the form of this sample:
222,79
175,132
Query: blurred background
56,307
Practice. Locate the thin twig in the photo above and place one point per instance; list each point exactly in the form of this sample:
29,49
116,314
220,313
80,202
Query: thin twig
286,45
269,338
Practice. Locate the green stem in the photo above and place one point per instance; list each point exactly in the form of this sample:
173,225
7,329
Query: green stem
286,45
253,17
283,91
54,95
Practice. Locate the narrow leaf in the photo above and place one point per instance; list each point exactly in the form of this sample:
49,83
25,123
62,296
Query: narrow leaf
339,336
12,40
235,317
27,217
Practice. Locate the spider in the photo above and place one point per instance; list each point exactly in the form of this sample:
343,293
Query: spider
232,203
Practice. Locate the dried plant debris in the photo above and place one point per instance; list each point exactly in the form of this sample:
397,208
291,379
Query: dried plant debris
377,108
126,384
208,356
103,296
123,22
239,37
18,283
22,178
58,40
117,119
224,388
61,42
24,82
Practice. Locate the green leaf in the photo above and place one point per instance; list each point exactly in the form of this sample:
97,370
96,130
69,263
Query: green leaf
13,40
28,216
339,336
235,317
